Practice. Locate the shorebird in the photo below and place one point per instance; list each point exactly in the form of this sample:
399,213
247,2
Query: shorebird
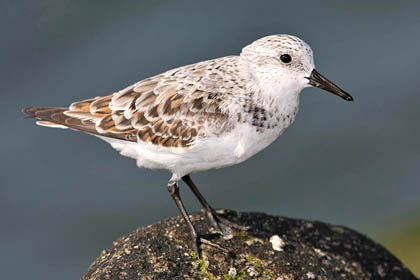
206,115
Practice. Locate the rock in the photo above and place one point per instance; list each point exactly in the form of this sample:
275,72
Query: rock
298,250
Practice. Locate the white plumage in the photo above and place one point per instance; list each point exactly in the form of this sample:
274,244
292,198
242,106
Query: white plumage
201,116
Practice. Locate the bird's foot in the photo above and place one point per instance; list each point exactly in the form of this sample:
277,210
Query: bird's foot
198,241
221,224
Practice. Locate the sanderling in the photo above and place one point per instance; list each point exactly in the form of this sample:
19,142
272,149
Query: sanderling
206,115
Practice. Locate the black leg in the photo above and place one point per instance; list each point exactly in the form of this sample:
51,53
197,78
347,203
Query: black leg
174,191
214,218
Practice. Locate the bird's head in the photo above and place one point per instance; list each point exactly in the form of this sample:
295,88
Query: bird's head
287,62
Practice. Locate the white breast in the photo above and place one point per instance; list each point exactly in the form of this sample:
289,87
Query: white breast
216,151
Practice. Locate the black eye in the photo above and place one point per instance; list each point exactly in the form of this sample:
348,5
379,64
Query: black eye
286,58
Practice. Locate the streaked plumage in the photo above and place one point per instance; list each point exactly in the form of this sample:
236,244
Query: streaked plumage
205,115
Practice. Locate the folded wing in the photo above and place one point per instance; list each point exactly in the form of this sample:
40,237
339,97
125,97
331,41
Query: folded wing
159,110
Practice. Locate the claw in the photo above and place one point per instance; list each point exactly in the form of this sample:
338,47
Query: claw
202,240
216,221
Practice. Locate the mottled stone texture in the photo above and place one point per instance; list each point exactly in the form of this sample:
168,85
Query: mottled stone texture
304,250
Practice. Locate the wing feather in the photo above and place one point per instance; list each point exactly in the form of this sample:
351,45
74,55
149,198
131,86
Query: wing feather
172,109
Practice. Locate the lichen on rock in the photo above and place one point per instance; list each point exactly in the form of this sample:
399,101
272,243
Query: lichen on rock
309,250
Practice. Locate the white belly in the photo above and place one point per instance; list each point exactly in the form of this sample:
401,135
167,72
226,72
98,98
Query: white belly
233,147
215,152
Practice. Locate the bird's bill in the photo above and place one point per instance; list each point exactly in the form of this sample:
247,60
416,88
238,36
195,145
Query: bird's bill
319,81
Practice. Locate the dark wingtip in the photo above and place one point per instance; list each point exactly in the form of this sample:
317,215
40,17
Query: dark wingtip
29,111
32,111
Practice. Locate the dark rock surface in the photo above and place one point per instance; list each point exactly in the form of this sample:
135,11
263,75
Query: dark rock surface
304,250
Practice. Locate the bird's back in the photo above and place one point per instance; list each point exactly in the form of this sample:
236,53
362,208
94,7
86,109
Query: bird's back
181,118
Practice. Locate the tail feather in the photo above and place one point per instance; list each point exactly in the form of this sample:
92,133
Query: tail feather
57,117
50,124
31,111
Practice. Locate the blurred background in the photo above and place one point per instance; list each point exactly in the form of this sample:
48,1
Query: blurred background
65,196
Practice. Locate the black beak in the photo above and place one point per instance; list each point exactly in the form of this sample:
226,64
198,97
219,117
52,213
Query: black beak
319,81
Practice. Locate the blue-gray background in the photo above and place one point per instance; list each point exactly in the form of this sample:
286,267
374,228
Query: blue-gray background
65,196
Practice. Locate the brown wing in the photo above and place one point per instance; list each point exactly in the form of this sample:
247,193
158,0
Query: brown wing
56,117
160,112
